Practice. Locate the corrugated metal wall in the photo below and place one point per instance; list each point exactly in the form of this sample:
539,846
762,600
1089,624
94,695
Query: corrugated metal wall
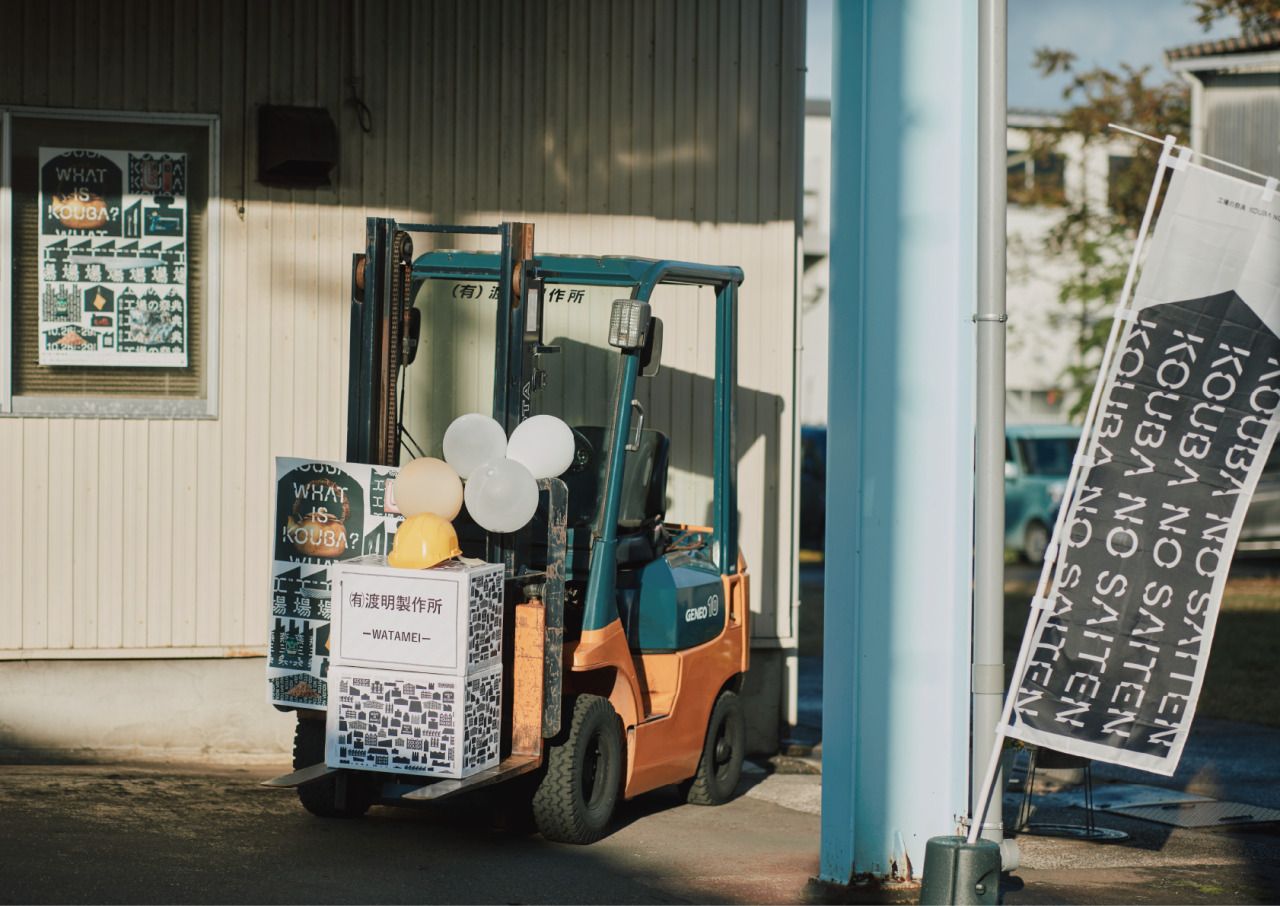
1242,119
667,128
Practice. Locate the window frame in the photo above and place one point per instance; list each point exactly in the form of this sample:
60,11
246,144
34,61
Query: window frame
204,407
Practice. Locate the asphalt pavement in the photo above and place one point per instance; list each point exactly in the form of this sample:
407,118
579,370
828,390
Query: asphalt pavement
1159,863
165,833
199,834
82,833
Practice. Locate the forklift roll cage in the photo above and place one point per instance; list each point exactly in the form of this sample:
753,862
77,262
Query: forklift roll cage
519,275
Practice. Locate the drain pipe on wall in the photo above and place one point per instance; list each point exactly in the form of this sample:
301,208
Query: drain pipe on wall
1196,84
988,580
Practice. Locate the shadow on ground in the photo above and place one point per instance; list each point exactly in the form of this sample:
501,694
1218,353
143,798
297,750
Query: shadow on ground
104,834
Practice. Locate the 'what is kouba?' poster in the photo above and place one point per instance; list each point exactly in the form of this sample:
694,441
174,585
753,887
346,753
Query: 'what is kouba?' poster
325,512
1186,419
113,258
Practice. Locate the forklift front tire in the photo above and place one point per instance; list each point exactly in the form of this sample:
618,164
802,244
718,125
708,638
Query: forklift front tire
320,797
574,802
720,766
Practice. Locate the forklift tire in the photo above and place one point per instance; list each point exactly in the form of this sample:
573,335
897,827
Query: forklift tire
320,797
720,766
574,801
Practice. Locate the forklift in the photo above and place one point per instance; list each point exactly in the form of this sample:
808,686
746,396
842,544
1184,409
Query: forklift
625,635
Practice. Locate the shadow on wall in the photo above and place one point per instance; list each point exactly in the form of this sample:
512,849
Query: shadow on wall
80,711
679,404
690,112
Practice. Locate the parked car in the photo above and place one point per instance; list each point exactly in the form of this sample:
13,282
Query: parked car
1037,462
1260,533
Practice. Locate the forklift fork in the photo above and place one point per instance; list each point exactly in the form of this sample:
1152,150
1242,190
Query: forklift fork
537,664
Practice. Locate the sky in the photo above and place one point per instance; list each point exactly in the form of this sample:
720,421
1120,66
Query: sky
1100,32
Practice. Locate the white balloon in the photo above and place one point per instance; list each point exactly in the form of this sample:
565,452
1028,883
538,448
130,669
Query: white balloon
543,444
473,440
502,496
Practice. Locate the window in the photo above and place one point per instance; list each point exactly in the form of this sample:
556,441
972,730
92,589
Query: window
1036,180
1048,455
812,210
108,294
1119,179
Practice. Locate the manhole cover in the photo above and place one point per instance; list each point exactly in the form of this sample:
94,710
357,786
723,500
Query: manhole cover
1201,814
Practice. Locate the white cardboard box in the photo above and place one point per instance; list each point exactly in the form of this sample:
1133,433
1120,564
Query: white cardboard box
427,724
442,620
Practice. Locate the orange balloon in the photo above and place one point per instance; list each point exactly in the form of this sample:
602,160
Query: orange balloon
428,485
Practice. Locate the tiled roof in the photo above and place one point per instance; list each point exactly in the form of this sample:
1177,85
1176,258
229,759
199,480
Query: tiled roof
1267,40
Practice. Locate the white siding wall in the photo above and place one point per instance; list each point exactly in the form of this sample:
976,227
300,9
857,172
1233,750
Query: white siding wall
665,128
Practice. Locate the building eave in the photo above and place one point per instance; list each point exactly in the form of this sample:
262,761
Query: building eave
1266,61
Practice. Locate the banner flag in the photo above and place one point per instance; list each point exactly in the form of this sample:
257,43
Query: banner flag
1186,418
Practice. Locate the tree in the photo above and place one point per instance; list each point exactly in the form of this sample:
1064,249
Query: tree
1096,234
1254,16
1097,237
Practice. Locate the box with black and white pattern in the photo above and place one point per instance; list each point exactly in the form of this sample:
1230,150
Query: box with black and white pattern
425,724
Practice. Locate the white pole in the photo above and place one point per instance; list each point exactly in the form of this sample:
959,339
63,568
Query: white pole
987,668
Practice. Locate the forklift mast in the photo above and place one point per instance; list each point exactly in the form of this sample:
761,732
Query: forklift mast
384,327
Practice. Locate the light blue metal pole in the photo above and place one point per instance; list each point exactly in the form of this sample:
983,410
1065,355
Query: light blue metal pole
901,433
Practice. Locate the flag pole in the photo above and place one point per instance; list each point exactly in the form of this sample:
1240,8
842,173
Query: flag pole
1040,603
1200,154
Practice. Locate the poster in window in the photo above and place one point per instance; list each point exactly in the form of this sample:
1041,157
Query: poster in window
113,258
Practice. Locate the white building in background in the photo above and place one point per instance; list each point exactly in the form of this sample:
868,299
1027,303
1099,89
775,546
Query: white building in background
1041,332
1041,336
1235,98
815,279
1235,116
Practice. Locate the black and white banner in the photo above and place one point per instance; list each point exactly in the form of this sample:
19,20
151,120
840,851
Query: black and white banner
1185,422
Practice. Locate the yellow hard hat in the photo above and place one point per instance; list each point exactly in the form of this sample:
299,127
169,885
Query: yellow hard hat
423,541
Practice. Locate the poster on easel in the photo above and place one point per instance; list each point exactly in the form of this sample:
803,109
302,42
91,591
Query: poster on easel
325,512
113,258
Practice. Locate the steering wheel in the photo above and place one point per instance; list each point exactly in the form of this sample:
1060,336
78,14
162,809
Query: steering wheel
584,453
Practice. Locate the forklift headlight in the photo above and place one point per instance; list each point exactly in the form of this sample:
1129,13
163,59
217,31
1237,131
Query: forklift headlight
628,323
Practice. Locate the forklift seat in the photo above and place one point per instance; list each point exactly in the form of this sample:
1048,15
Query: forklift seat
644,492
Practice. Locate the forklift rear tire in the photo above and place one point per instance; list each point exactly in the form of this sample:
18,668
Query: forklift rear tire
574,801
720,766
320,797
